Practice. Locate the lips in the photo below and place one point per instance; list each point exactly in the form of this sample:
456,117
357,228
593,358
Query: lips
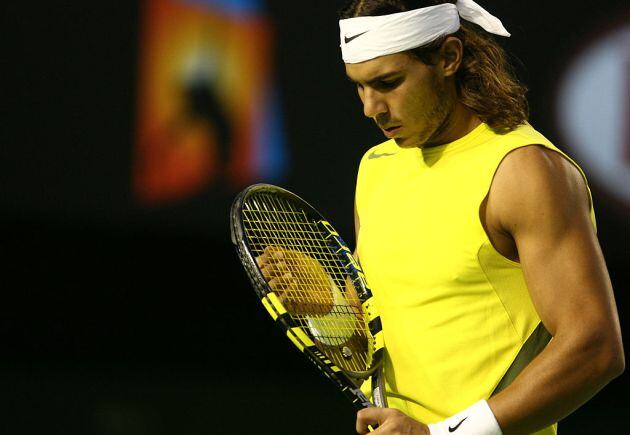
390,132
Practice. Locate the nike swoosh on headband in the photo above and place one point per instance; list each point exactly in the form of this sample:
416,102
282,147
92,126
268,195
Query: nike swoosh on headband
402,31
348,39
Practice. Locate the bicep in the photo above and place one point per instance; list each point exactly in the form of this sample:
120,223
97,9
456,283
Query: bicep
565,272
548,216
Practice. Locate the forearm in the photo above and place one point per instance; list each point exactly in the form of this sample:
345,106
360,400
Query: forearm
564,376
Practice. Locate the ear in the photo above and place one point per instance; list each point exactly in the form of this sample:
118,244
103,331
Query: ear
452,51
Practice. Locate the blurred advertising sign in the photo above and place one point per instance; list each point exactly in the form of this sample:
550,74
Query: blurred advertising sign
208,115
593,109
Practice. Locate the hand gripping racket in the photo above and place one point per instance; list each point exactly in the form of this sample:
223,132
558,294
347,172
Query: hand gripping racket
311,285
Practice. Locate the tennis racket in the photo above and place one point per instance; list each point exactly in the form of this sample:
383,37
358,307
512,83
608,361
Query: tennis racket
311,285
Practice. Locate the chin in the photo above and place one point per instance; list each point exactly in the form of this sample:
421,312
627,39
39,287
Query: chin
407,142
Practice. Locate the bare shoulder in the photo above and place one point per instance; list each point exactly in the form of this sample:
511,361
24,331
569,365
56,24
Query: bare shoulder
535,184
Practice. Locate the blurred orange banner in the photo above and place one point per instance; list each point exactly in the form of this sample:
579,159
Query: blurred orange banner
207,114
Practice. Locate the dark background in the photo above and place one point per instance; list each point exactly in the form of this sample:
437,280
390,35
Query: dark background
122,319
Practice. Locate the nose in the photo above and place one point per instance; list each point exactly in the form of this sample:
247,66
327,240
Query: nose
373,103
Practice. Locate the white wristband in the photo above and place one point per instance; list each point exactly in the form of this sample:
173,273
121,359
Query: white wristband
476,420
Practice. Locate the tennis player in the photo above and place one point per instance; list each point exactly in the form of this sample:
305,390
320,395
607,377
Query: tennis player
476,234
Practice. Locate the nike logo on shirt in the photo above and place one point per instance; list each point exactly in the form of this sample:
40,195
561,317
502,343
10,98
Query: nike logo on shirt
375,155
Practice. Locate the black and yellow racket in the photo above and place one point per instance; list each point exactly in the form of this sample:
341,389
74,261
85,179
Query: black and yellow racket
311,285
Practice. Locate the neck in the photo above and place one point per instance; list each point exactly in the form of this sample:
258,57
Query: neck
457,124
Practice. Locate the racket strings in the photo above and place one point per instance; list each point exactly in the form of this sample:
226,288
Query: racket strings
316,299
290,229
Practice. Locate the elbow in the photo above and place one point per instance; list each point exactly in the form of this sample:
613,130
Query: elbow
610,357
617,361
616,358
598,350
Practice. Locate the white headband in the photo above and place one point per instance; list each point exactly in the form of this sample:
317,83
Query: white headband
365,38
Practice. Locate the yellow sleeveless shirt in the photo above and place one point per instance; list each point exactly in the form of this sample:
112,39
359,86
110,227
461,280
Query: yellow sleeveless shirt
455,312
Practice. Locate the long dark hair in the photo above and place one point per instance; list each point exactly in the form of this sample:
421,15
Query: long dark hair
485,81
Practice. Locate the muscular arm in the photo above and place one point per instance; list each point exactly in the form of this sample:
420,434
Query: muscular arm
539,200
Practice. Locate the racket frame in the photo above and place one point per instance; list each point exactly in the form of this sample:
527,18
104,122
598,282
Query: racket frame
347,381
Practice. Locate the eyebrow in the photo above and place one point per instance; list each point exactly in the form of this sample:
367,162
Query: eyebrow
377,78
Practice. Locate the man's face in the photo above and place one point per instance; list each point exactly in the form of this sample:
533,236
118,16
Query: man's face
406,98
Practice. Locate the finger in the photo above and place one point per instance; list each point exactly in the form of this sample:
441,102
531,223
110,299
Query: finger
275,252
369,417
277,267
269,249
282,282
288,294
268,253
266,271
276,284
261,260
272,270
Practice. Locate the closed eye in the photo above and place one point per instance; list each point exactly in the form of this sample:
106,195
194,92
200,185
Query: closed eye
387,85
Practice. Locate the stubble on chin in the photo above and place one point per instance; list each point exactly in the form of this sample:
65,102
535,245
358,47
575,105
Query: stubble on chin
437,121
